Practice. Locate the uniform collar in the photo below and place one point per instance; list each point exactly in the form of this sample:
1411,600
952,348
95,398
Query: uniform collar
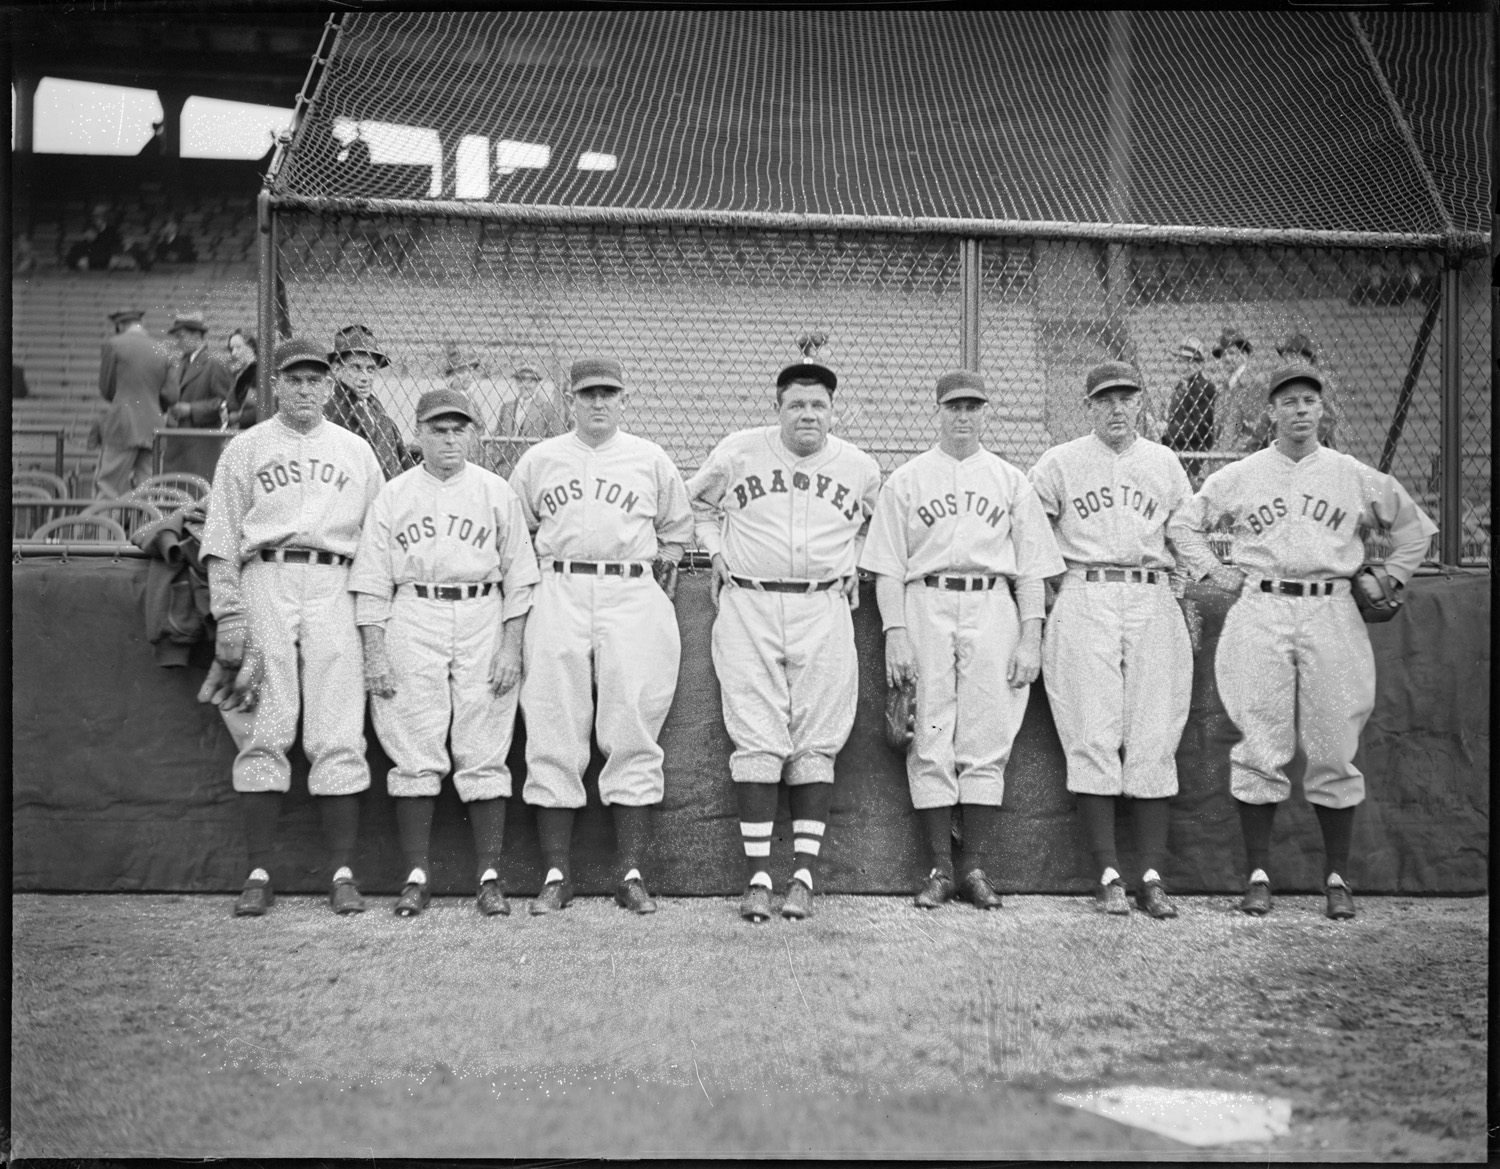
1111,450
317,426
456,477
982,451
607,444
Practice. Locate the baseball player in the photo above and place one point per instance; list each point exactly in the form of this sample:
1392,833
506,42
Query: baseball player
1297,347
952,529
1294,665
783,511
443,581
610,517
289,498
354,359
1117,658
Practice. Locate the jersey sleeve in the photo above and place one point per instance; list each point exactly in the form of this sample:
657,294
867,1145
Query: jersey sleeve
885,552
1187,527
867,503
1411,529
371,580
705,491
520,483
228,501
1044,481
519,572
1037,556
674,516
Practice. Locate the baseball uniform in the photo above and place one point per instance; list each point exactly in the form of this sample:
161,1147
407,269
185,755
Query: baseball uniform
957,532
785,659
599,621
1116,656
277,493
425,535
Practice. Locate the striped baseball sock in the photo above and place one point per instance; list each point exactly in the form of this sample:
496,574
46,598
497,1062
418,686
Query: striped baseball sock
757,803
809,806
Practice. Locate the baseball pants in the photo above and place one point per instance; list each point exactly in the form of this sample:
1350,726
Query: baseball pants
301,616
440,654
613,636
789,682
967,714
1118,664
1296,672
121,470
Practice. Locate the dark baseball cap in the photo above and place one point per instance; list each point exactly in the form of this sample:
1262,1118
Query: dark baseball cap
1231,339
298,351
436,403
808,371
1298,371
596,372
352,339
961,383
1111,375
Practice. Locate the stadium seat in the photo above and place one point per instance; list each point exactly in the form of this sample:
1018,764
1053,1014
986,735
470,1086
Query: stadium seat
194,486
129,514
92,529
43,480
159,495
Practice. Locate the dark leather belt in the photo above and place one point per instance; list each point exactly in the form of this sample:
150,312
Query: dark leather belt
303,556
785,586
1122,575
962,584
453,592
599,568
1298,588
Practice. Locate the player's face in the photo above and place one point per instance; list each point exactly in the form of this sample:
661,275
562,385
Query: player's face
357,372
444,441
1295,410
1113,414
962,420
806,414
597,411
301,392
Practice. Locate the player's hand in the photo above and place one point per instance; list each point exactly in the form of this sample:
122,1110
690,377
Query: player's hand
1369,582
218,685
850,589
1231,580
505,667
665,572
244,693
1026,661
900,662
229,644
379,680
720,579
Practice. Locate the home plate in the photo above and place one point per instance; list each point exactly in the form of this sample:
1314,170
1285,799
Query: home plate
1195,1116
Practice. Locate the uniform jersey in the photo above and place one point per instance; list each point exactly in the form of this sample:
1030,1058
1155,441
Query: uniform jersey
776,515
1301,518
938,514
621,500
466,529
1108,508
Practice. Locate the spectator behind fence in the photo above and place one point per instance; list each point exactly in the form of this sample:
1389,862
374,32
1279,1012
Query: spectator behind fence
1238,403
240,411
172,245
100,243
463,371
1190,417
355,357
537,409
134,378
201,384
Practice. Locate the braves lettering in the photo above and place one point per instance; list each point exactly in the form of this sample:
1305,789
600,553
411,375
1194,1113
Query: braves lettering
459,527
753,488
948,505
1104,498
285,474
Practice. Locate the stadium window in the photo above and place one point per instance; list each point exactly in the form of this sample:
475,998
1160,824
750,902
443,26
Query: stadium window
471,178
511,156
214,128
84,117
389,142
593,160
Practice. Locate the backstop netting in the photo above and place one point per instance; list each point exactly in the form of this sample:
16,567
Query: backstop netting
1022,193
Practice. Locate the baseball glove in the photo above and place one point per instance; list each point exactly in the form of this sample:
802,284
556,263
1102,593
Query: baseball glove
1376,610
900,717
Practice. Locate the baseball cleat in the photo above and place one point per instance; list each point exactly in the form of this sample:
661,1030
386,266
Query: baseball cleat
413,899
1112,899
799,901
1257,899
976,888
632,895
1154,900
255,898
1340,902
345,897
937,889
555,895
755,905
491,900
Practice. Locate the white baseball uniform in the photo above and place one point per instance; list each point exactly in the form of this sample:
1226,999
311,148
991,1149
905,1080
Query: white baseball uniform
466,531
1116,656
1297,670
942,527
277,489
599,621
787,670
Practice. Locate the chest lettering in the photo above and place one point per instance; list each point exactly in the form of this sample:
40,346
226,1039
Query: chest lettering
826,488
427,528
1125,497
554,499
291,471
1261,516
960,503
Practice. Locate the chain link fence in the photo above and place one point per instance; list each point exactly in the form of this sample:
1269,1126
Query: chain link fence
703,318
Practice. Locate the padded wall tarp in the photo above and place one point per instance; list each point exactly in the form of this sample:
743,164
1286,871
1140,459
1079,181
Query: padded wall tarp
121,779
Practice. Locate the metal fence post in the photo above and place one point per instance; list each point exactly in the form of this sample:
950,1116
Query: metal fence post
1450,437
265,312
971,257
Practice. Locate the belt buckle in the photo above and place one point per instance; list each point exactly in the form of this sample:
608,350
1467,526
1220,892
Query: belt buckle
614,570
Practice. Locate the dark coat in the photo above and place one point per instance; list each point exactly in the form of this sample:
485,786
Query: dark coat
203,382
240,405
133,379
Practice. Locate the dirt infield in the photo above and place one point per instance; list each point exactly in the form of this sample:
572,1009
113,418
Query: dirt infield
159,1025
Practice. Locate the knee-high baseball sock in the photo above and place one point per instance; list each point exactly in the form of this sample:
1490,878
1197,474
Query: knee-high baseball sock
632,837
809,804
1098,815
261,810
487,822
340,815
1256,821
414,829
757,803
1338,835
554,828
1151,820
937,830
981,836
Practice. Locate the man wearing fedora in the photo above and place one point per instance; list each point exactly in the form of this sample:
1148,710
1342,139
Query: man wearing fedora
201,385
354,358
1190,417
134,378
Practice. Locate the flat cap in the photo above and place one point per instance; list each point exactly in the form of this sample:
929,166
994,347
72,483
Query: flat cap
436,403
1298,371
127,314
1231,338
194,321
596,371
299,351
352,339
1190,348
961,383
1111,375
1298,345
